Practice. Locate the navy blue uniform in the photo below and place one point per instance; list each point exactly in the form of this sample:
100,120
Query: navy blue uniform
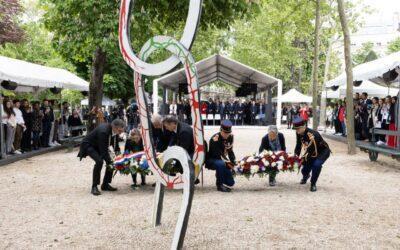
316,154
219,152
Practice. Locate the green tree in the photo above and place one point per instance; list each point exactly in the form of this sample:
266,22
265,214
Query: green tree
36,48
351,142
364,54
86,33
394,46
278,41
10,31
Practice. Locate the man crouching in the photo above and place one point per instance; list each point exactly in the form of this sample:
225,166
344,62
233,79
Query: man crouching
220,149
315,152
96,145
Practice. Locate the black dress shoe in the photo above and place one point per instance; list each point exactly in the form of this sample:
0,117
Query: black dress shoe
95,191
143,183
197,181
107,187
303,181
224,189
313,188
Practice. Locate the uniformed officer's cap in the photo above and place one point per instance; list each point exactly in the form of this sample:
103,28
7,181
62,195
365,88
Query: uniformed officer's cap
298,122
226,126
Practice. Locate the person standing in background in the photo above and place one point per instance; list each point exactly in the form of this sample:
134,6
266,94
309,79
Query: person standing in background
48,119
19,129
9,123
26,110
37,117
74,120
173,109
342,118
64,118
392,140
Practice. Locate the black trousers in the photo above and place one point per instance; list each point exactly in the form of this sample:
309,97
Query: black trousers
46,128
92,153
26,140
134,178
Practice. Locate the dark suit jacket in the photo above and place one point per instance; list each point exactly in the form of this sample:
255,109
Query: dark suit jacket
183,138
100,139
265,143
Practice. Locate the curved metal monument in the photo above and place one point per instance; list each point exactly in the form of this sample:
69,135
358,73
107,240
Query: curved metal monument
180,54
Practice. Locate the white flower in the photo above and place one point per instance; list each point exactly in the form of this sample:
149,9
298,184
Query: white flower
280,164
241,163
273,164
250,159
282,158
265,162
296,165
254,169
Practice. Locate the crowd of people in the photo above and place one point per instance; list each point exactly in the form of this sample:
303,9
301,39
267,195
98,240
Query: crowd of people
29,126
369,113
238,111
290,112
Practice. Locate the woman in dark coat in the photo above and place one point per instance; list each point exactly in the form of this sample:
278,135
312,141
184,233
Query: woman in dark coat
37,116
73,121
273,141
26,110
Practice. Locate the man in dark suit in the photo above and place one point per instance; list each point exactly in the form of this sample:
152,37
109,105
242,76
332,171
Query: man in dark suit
181,134
273,141
96,145
239,111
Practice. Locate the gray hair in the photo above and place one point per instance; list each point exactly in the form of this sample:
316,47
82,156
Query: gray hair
156,119
273,128
118,123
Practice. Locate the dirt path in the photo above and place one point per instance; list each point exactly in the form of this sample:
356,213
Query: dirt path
45,202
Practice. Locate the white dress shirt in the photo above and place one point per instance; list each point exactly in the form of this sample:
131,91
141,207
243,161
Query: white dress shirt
18,116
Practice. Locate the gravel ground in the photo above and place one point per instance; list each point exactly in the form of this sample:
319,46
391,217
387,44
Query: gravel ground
45,203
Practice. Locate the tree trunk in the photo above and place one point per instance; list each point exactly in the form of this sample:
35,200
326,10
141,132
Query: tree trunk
96,81
349,73
316,64
322,116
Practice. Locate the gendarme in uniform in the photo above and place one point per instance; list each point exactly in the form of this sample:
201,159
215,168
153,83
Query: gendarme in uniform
220,156
315,151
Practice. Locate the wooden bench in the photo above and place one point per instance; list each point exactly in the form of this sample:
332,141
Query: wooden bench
374,150
73,141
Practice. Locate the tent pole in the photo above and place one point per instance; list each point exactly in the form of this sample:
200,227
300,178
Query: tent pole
279,104
2,143
268,107
155,97
164,100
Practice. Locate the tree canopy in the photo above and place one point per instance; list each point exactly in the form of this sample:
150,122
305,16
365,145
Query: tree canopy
394,46
10,31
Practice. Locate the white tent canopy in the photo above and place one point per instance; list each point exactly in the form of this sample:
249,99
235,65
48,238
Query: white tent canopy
30,76
373,71
222,68
225,69
372,89
105,102
294,96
